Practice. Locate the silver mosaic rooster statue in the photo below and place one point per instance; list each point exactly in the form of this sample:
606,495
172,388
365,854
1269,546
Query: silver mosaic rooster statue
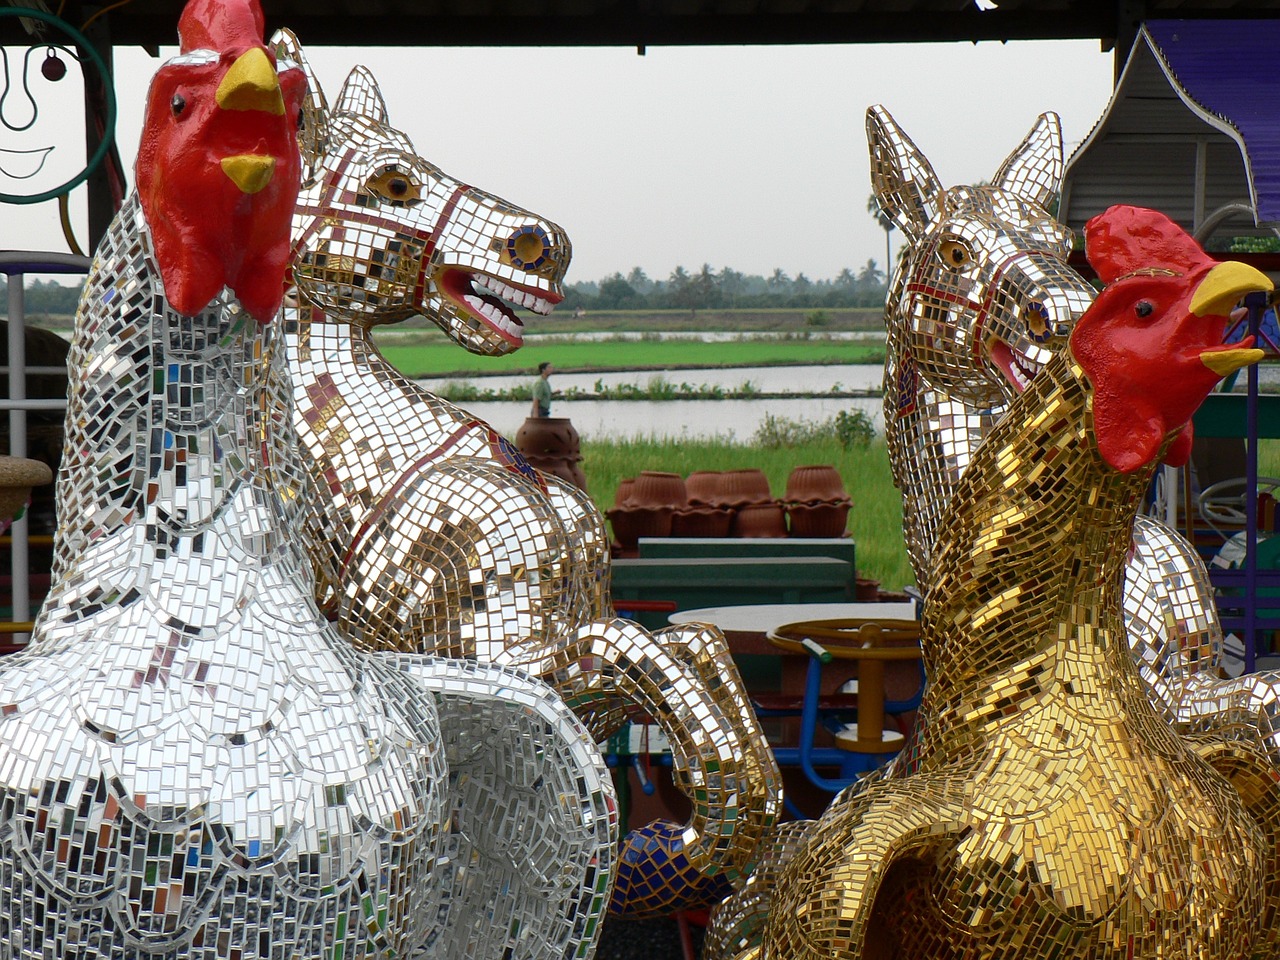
193,762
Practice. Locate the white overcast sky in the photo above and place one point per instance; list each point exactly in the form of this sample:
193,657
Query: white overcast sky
749,157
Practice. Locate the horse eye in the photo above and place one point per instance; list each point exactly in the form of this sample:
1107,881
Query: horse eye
395,186
1144,308
178,104
954,253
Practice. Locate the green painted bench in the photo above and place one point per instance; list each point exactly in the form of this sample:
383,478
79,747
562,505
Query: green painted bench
692,582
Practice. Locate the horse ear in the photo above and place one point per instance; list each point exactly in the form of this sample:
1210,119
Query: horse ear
902,178
361,97
1034,170
313,136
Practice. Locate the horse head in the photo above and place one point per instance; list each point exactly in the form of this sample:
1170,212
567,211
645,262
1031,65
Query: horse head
983,295
382,235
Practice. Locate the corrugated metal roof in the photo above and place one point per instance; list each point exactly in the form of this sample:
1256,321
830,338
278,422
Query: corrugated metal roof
1194,125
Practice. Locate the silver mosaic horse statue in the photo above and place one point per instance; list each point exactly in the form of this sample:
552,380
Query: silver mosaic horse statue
195,764
432,534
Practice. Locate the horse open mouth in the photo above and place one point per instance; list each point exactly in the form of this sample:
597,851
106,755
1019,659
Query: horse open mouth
494,301
1015,367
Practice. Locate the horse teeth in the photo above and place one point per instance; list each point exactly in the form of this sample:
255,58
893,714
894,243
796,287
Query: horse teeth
526,299
494,315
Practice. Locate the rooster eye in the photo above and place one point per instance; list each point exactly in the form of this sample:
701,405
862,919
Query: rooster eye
1144,308
178,104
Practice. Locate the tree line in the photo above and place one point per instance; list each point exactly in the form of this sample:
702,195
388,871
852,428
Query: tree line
709,289
44,297
682,290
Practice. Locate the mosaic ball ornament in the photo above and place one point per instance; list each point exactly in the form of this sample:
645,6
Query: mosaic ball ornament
1051,811
195,763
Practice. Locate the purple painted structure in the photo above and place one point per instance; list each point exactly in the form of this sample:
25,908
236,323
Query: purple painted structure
1225,70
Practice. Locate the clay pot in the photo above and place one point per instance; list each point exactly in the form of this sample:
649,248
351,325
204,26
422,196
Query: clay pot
760,520
654,488
825,518
866,590
624,491
630,523
741,487
701,521
814,483
702,486
552,445
17,476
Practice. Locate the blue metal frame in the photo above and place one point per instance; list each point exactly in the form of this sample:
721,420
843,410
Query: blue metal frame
808,758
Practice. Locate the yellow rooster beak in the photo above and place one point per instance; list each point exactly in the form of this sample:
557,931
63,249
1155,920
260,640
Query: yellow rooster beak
1223,362
249,171
1223,287
251,84
1214,297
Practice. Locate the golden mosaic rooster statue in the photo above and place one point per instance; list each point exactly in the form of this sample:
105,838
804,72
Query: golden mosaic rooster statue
1052,811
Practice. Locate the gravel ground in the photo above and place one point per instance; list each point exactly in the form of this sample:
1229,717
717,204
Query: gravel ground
624,939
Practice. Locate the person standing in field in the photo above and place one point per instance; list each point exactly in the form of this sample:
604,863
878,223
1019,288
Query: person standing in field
542,391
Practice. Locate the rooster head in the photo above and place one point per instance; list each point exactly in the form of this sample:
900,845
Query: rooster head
1152,343
218,165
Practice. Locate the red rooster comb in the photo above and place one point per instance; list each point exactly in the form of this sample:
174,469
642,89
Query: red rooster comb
218,164
1122,241
223,25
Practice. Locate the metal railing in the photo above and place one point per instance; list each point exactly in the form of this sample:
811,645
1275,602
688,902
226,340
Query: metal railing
16,264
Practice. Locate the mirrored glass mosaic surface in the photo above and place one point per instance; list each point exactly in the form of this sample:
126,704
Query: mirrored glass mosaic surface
982,298
432,534
193,762
1051,811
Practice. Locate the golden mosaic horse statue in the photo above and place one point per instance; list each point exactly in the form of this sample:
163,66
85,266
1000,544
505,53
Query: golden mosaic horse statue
432,534
1051,811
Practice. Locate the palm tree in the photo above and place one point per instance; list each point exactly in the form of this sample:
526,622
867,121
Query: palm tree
885,221
870,275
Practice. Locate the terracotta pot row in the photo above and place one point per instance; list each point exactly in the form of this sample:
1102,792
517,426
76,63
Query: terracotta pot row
729,503
729,488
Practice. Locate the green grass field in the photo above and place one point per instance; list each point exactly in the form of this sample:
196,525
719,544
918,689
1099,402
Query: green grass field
875,521
781,320
447,359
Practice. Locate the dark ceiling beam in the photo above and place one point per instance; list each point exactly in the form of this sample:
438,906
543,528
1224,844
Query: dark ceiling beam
640,23
1085,19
